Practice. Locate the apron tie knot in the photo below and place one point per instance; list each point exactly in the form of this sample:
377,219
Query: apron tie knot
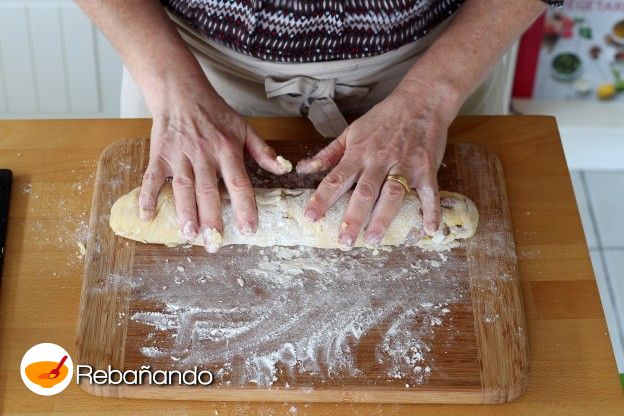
314,99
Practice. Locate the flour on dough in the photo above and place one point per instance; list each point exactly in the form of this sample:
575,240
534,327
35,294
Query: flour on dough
281,221
284,164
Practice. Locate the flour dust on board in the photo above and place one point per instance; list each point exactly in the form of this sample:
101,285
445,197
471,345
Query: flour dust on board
259,315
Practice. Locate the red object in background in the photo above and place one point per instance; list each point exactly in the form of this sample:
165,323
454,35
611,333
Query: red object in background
567,27
528,56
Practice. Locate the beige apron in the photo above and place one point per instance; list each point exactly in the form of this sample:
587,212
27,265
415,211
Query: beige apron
321,91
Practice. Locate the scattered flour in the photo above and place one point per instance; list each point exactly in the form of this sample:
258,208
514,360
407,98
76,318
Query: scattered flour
265,315
60,210
60,218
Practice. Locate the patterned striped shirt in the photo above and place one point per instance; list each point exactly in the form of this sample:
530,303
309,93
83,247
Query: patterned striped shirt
314,30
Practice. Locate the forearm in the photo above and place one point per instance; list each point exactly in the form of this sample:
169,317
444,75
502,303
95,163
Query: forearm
148,42
461,58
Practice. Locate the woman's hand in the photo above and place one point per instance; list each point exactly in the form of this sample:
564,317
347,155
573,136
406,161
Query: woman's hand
403,135
197,138
406,133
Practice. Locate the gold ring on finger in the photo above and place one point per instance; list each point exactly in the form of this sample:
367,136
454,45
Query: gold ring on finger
400,179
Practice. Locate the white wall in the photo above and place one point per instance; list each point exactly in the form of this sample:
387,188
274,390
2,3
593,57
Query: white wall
54,63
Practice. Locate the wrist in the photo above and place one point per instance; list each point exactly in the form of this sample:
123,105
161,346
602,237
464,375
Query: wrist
162,90
434,96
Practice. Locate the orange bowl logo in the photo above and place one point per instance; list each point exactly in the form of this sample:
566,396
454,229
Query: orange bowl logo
46,369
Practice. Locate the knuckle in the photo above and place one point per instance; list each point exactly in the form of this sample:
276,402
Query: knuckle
146,201
394,190
365,191
428,192
335,179
353,222
183,182
239,183
207,190
150,177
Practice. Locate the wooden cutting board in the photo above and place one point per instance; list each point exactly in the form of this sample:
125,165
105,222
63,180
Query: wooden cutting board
302,324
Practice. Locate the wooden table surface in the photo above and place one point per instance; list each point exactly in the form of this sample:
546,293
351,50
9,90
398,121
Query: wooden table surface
572,365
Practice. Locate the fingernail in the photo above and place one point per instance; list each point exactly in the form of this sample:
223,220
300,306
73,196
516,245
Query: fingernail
188,231
212,239
373,238
311,214
308,166
247,228
345,241
315,165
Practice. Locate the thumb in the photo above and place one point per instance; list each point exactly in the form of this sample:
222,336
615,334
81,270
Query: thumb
328,157
264,154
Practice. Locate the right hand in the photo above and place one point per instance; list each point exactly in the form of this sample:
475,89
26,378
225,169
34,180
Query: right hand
197,138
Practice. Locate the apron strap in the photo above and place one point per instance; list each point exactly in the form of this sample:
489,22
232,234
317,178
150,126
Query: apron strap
314,99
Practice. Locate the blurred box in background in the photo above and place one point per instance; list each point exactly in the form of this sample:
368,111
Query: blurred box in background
574,52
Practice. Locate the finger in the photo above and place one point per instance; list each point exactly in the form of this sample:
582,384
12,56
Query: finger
361,203
388,205
241,193
184,197
208,205
428,193
153,179
328,157
264,154
332,187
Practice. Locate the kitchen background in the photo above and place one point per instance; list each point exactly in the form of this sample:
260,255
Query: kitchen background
55,64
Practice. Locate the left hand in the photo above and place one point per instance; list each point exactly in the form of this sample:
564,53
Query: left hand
405,134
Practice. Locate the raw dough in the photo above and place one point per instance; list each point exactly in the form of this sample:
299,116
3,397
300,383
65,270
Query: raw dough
281,221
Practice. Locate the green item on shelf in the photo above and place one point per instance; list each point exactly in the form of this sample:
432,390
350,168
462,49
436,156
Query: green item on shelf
566,66
585,32
619,82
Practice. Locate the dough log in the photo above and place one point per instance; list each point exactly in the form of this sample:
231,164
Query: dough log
281,221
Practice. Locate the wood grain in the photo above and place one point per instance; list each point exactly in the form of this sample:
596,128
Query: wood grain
572,365
480,352
106,256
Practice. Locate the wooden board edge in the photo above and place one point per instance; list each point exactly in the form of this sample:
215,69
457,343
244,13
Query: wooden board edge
518,389
89,331
504,371
362,395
